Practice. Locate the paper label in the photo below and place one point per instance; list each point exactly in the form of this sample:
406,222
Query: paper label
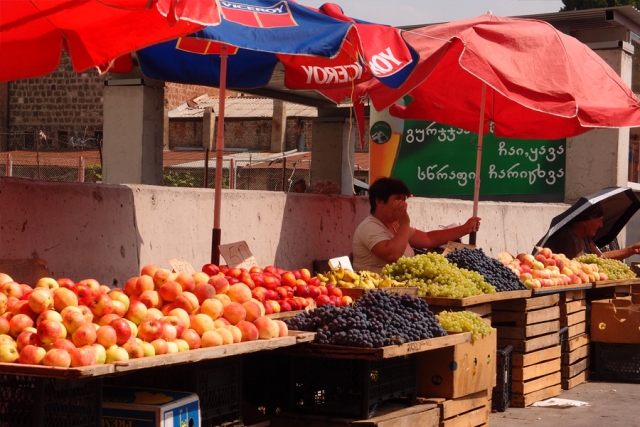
342,261
238,255
181,266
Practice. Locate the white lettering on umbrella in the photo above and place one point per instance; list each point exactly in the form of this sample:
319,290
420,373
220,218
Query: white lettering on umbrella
241,6
329,75
383,63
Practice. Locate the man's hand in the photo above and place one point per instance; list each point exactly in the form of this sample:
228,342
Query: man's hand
472,224
400,212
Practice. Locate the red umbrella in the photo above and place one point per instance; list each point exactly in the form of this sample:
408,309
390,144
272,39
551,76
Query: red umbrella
518,78
34,32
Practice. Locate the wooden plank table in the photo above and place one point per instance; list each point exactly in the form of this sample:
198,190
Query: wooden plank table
343,352
612,283
156,361
477,299
563,288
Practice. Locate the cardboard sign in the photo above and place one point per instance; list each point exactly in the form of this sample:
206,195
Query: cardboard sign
452,246
342,261
181,266
238,255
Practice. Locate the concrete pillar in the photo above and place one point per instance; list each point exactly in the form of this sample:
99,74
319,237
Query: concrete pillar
599,158
278,126
333,152
133,133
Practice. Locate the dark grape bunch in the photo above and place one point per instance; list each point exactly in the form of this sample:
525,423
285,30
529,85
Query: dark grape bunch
493,271
377,319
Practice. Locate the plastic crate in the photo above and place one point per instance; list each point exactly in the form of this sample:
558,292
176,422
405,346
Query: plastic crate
564,339
37,402
616,362
217,382
349,387
501,396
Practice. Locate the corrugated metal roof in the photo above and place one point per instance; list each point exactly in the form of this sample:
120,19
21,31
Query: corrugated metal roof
239,107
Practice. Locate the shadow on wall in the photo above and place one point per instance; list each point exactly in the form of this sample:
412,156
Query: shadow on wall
81,230
317,226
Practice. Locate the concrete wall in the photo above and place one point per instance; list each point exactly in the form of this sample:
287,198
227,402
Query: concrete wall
109,232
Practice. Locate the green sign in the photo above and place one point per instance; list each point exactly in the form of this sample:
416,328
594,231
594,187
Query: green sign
440,160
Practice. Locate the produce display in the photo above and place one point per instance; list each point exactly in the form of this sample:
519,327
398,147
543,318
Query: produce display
376,319
547,269
62,323
464,321
362,279
613,268
435,276
493,271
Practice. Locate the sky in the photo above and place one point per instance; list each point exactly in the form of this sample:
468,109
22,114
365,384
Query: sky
415,12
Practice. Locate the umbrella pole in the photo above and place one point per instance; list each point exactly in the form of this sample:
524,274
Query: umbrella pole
476,186
217,232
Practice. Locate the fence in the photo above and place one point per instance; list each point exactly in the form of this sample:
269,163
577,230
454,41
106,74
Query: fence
242,171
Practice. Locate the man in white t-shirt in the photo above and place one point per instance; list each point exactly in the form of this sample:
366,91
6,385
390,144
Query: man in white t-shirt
386,235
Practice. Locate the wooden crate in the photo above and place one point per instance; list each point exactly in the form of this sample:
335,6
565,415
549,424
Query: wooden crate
573,295
527,304
471,410
581,378
530,344
577,329
530,331
575,361
574,318
570,307
482,310
523,400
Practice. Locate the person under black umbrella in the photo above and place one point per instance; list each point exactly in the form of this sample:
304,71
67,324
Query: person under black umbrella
576,238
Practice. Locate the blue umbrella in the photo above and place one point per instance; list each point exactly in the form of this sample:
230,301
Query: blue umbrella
322,48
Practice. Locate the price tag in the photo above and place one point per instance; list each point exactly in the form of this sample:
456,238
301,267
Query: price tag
342,261
452,246
238,255
181,266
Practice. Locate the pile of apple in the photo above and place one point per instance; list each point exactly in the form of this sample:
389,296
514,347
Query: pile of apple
62,323
281,290
548,269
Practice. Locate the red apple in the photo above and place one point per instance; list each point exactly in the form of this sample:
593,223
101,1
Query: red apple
84,335
26,338
64,282
123,330
57,357
84,293
100,305
314,291
322,300
134,349
32,355
106,336
192,338
313,280
323,290
302,291
297,275
284,306
50,330
150,329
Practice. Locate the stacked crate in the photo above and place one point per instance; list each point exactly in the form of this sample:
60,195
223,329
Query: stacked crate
471,410
531,327
574,339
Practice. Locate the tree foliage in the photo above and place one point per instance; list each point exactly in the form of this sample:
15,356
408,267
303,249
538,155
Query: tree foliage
593,4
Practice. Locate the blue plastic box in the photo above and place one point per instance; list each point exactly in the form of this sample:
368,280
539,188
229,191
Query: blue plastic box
139,407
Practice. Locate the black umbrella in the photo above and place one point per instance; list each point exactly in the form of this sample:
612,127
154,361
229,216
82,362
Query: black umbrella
619,204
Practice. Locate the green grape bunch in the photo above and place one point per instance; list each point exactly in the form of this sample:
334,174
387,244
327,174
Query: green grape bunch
614,269
435,276
464,321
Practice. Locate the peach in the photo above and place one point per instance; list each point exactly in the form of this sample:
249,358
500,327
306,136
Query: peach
169,291
260,305
144,283
221,322
234,312
186,282
239,293
130,286
187,301
267,328
151,299
283,329
161,276
249,330
204,291
212,307
210,339
252,310
223,298
200,277
227,336
166,309
220,283
149,270
236,332
202,323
